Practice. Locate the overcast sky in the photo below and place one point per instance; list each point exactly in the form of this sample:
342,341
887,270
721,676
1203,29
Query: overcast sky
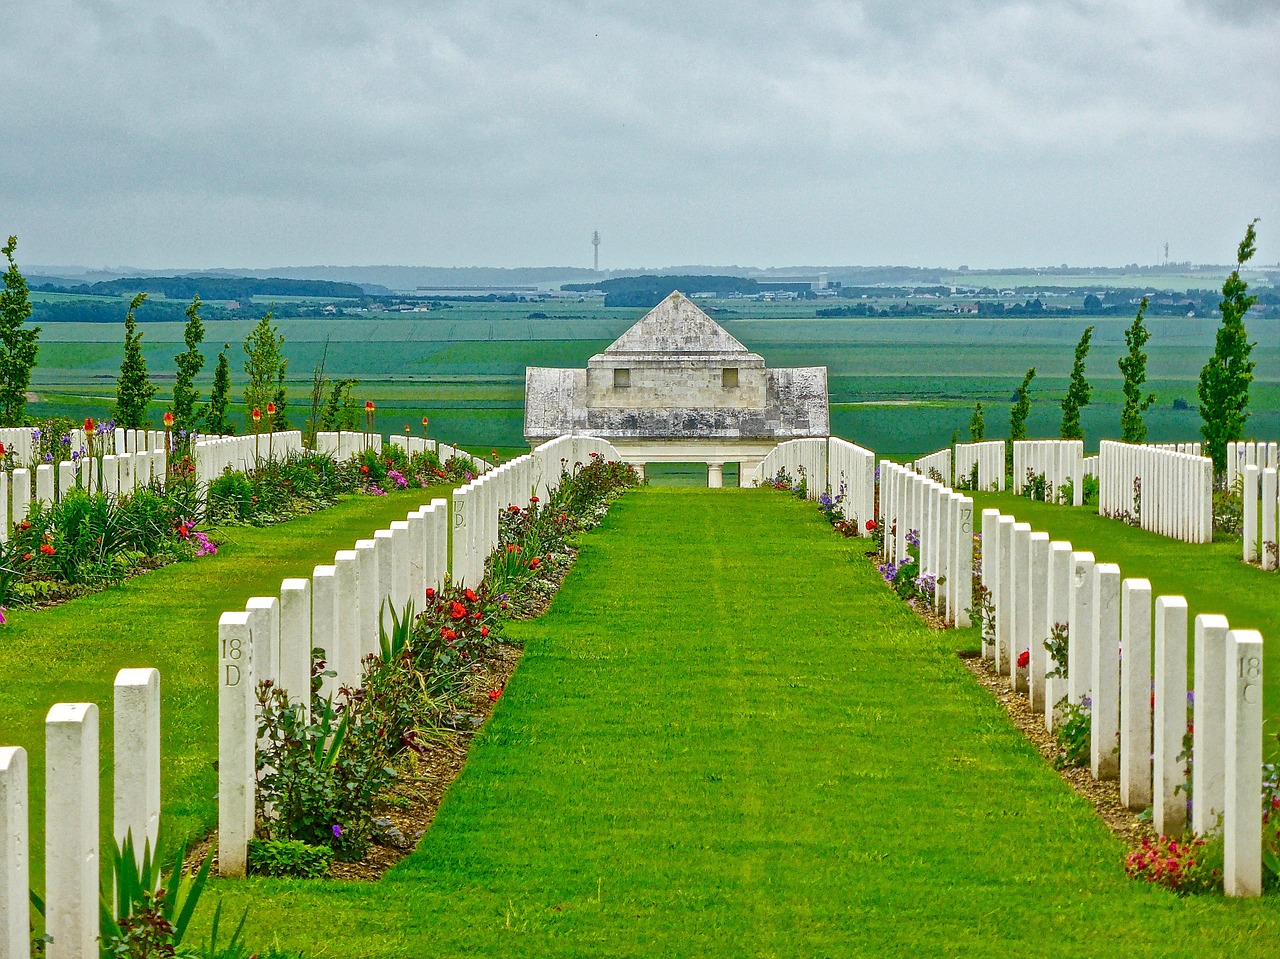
263,133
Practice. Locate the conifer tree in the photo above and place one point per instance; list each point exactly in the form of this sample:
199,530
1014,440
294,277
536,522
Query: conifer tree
1079,392
215,413
17,342
1133,367
977,424
1225,379
190,363
1021,409
134,388
265,367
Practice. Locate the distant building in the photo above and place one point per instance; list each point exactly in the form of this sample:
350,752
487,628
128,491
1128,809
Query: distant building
677,388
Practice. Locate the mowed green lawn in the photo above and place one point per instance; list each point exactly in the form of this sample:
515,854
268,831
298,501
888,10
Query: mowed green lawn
727,738
167,619
1210,575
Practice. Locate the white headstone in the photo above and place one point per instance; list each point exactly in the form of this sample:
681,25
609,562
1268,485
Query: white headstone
295,641
1242,812
237,741
15,869
1105,666
71,830
136,727
325,633
1135,693
1169,805
1209,722
1080,630
350,643
264,624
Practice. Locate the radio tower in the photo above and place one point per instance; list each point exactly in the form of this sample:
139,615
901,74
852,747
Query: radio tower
595,243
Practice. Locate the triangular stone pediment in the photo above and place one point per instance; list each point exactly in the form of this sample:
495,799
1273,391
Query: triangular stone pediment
676,325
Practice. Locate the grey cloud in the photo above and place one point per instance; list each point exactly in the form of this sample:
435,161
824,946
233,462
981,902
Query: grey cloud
236,133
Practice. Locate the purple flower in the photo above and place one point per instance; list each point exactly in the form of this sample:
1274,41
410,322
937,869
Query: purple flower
35,434
337,831
48,457
1191,697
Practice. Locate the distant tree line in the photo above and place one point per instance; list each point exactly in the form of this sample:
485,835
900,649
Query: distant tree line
211,287
648,291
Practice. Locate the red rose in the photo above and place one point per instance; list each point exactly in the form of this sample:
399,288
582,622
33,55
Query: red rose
1024,659
494,694
471,595
871,524
457,610
430,593
484,630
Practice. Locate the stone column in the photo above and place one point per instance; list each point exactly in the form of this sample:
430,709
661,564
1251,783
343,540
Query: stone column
1135,693
1169,806
71,830
15,870
136,719
1242,816
1209,721
715,475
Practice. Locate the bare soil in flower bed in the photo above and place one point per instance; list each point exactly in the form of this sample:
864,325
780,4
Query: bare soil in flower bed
1104,795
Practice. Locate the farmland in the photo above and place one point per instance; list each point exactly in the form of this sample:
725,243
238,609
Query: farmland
899,385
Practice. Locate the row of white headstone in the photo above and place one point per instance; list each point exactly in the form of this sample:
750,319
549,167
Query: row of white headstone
213,455
830,463
942,519
72,815
1060,462
341,610
1260,512
1136,737
414,445
115,475
939,463
988,458
1240,455
478,504
344,444
1170,491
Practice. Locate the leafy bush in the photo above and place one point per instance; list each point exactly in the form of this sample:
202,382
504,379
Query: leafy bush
1073,733
290,858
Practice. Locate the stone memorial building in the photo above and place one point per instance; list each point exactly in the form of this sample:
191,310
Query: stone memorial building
677,388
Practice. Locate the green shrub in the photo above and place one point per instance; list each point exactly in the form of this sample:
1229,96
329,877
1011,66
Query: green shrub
288,858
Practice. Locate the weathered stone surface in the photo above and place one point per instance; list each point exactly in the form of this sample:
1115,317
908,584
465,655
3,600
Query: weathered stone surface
676,374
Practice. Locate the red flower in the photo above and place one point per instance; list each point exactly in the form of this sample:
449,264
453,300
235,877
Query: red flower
47,549
484,630
168,419
448,634
494,694
871,524
533,499
471,595
364,469
430,593
458,611
183,532
1024,659
271,409
26,557
513,509
368,406
26,525
477,615
535,563
89,425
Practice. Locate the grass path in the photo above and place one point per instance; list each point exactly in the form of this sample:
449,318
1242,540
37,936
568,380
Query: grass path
166,619
727,738
1210,575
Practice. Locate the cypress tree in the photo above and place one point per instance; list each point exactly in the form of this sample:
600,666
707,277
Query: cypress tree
134,388
1133,367
17,342
1225,379
1021,409
190,363
264,366
1079,392
977,424
215,414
